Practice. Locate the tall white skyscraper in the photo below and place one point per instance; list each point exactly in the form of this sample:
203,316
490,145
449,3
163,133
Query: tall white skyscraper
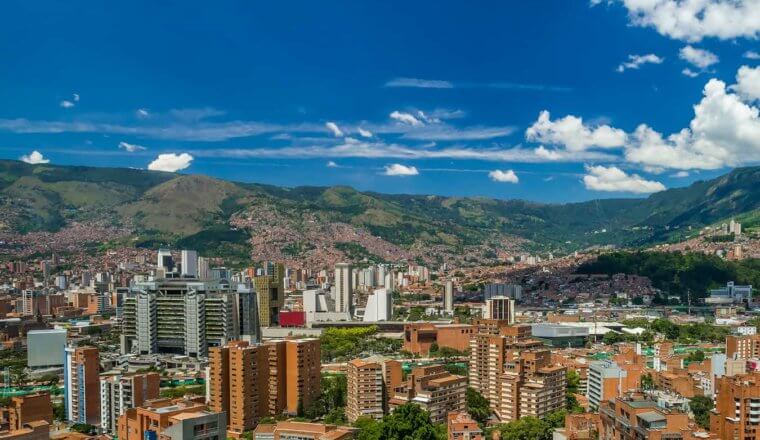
500,307
343,287
165,260
189,264
203,268
448,297
379,306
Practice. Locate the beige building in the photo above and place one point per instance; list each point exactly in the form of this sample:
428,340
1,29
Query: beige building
531,386
434,389
370,383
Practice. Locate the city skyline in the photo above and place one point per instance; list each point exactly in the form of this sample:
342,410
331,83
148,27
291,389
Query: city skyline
560,102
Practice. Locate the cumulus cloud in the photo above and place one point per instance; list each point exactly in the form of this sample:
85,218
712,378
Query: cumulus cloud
725,131
34,158
505,176
419,83
636,61
66,104
406,118
693,20
171,162
748,83
698,57
131,148
571,133
680,174
613,179
332,164
333,127
751,55
397,169
364,133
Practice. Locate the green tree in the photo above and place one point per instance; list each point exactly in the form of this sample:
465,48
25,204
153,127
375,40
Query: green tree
701,406
647,382
369,428
478,406
612,338
409,421
696,356
573,381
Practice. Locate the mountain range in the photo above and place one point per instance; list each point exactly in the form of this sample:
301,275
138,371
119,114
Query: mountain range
218,216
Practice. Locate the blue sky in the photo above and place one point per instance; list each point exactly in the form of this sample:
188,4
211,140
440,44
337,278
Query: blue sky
403,97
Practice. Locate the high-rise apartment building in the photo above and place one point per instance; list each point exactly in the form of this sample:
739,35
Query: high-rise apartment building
501,308
82,385
118,393
370,383
270,290
237,376
737,407
189,264
743,347
27,417
343,288
434,389
164,260
248,381
530,386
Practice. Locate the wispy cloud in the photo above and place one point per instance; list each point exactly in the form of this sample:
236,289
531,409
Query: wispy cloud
334,129
419,83
444,84
131,148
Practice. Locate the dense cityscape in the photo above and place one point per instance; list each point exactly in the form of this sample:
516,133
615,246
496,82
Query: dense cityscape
393,220
145,344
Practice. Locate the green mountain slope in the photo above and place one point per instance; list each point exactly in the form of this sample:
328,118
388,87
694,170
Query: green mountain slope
200,210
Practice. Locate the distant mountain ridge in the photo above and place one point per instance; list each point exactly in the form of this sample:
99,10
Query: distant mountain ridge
206,211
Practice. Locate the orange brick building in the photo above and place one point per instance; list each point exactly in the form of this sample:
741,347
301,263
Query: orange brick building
419,337
460,426
737,409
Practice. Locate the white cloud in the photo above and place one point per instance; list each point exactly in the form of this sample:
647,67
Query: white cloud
747,83
636,61
76,97
573,134
601,178
171,162
364,133
725,131
333,127
693,20
690,73
406,118
332,164
66,104
681,174
397,169
34,158
142,113
698,57
751,55
506,176
419,83
131,148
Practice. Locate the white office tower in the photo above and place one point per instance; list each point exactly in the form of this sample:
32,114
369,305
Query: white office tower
448,297
390,281
203,268
381,271
500,307
379,306
164,260
343,287
189,264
